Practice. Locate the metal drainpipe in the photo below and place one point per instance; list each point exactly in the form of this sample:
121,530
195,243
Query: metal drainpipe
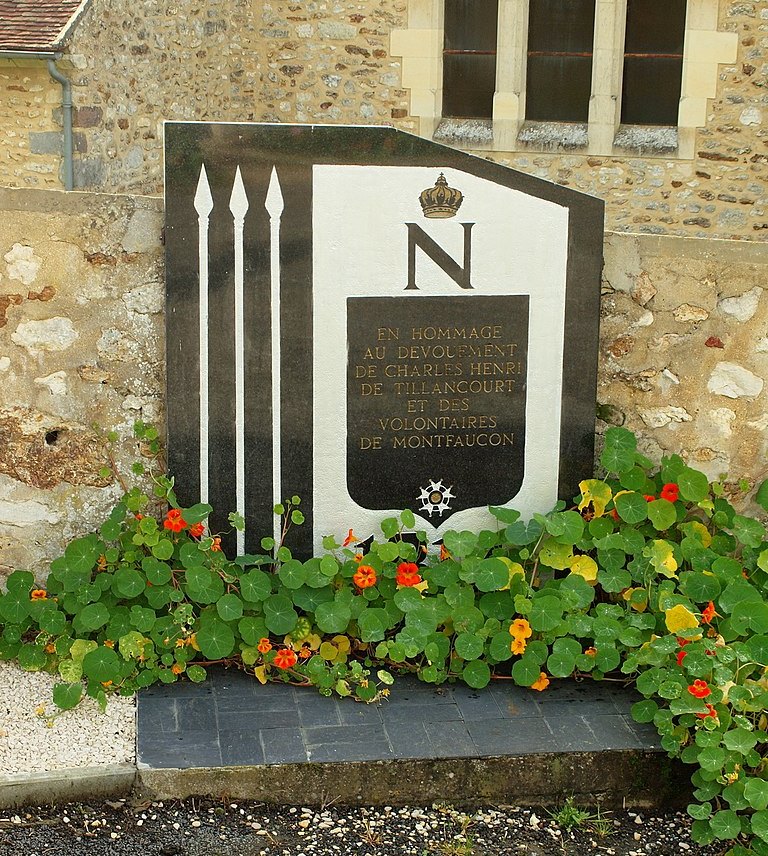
66,106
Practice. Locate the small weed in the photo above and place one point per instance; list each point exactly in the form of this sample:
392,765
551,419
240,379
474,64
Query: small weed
455,848
570,816
369,834
601,825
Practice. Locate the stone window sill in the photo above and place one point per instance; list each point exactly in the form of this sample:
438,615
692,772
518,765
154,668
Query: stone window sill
553,136
465,133
648,140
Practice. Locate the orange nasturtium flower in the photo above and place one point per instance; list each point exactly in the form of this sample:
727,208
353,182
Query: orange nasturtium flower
174,521
39,594
264,646
444,554
196,529
408,574
518,646
708,613
590,652
305,652
350,539
216,546
358,557
285,658
364,577
699,689
541,683
711,712
177,669
520,628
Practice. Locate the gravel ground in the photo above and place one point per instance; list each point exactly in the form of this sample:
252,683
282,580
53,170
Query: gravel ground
35,738
204,828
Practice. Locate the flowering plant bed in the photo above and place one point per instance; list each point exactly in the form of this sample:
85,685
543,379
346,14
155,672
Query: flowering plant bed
650,577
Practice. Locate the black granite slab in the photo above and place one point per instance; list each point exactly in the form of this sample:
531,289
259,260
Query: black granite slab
254,152
231,721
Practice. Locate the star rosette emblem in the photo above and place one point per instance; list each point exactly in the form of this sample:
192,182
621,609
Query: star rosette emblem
435,498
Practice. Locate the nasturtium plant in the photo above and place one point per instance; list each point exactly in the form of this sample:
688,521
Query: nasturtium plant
650,575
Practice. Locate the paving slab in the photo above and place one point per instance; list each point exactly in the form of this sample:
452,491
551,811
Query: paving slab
280,743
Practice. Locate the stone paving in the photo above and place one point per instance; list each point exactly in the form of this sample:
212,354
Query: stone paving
232,720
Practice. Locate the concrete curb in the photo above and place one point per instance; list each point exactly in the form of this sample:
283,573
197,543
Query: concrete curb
68,785
613,779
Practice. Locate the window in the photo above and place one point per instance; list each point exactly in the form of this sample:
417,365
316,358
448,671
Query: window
653,62
469,58
563,74
559,68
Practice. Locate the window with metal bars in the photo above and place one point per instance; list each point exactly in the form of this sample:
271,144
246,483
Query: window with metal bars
469,58
653,62
559,71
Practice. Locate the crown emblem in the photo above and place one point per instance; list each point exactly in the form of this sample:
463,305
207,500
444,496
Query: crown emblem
440,201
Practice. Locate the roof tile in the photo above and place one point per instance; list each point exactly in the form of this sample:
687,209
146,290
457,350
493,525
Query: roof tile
35,25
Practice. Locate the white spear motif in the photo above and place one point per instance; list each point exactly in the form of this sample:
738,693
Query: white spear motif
274,205
238,205
203,205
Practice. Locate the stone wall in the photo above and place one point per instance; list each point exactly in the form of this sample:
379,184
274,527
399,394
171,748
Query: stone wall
684,354
81,343
30,136
309,61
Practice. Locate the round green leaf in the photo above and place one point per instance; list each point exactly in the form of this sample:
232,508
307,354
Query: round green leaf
546,613
644,711
32,658
631,507
759,821
102,664
469,646
196,674
465,620
229,607
14,606
712,758
491,575
460,544
756,793
93,616
128,583
292,574
561,665
255,586
526,671
499,649
740,740
694,486
251,629
613,579
279,614
725,824
333,617
158,573
661,513
216,639
163,550
203,585
372,625
699,587
66,696
81,554
476,674
20,582
618,453
52,620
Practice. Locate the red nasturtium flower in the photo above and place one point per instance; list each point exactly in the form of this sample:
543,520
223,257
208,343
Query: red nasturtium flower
285,658
364,577
708,613
711,712
648,498
614,514
670,491
681,655
174,521
38,594
408,574
264,646
350,539
196,530
699,689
